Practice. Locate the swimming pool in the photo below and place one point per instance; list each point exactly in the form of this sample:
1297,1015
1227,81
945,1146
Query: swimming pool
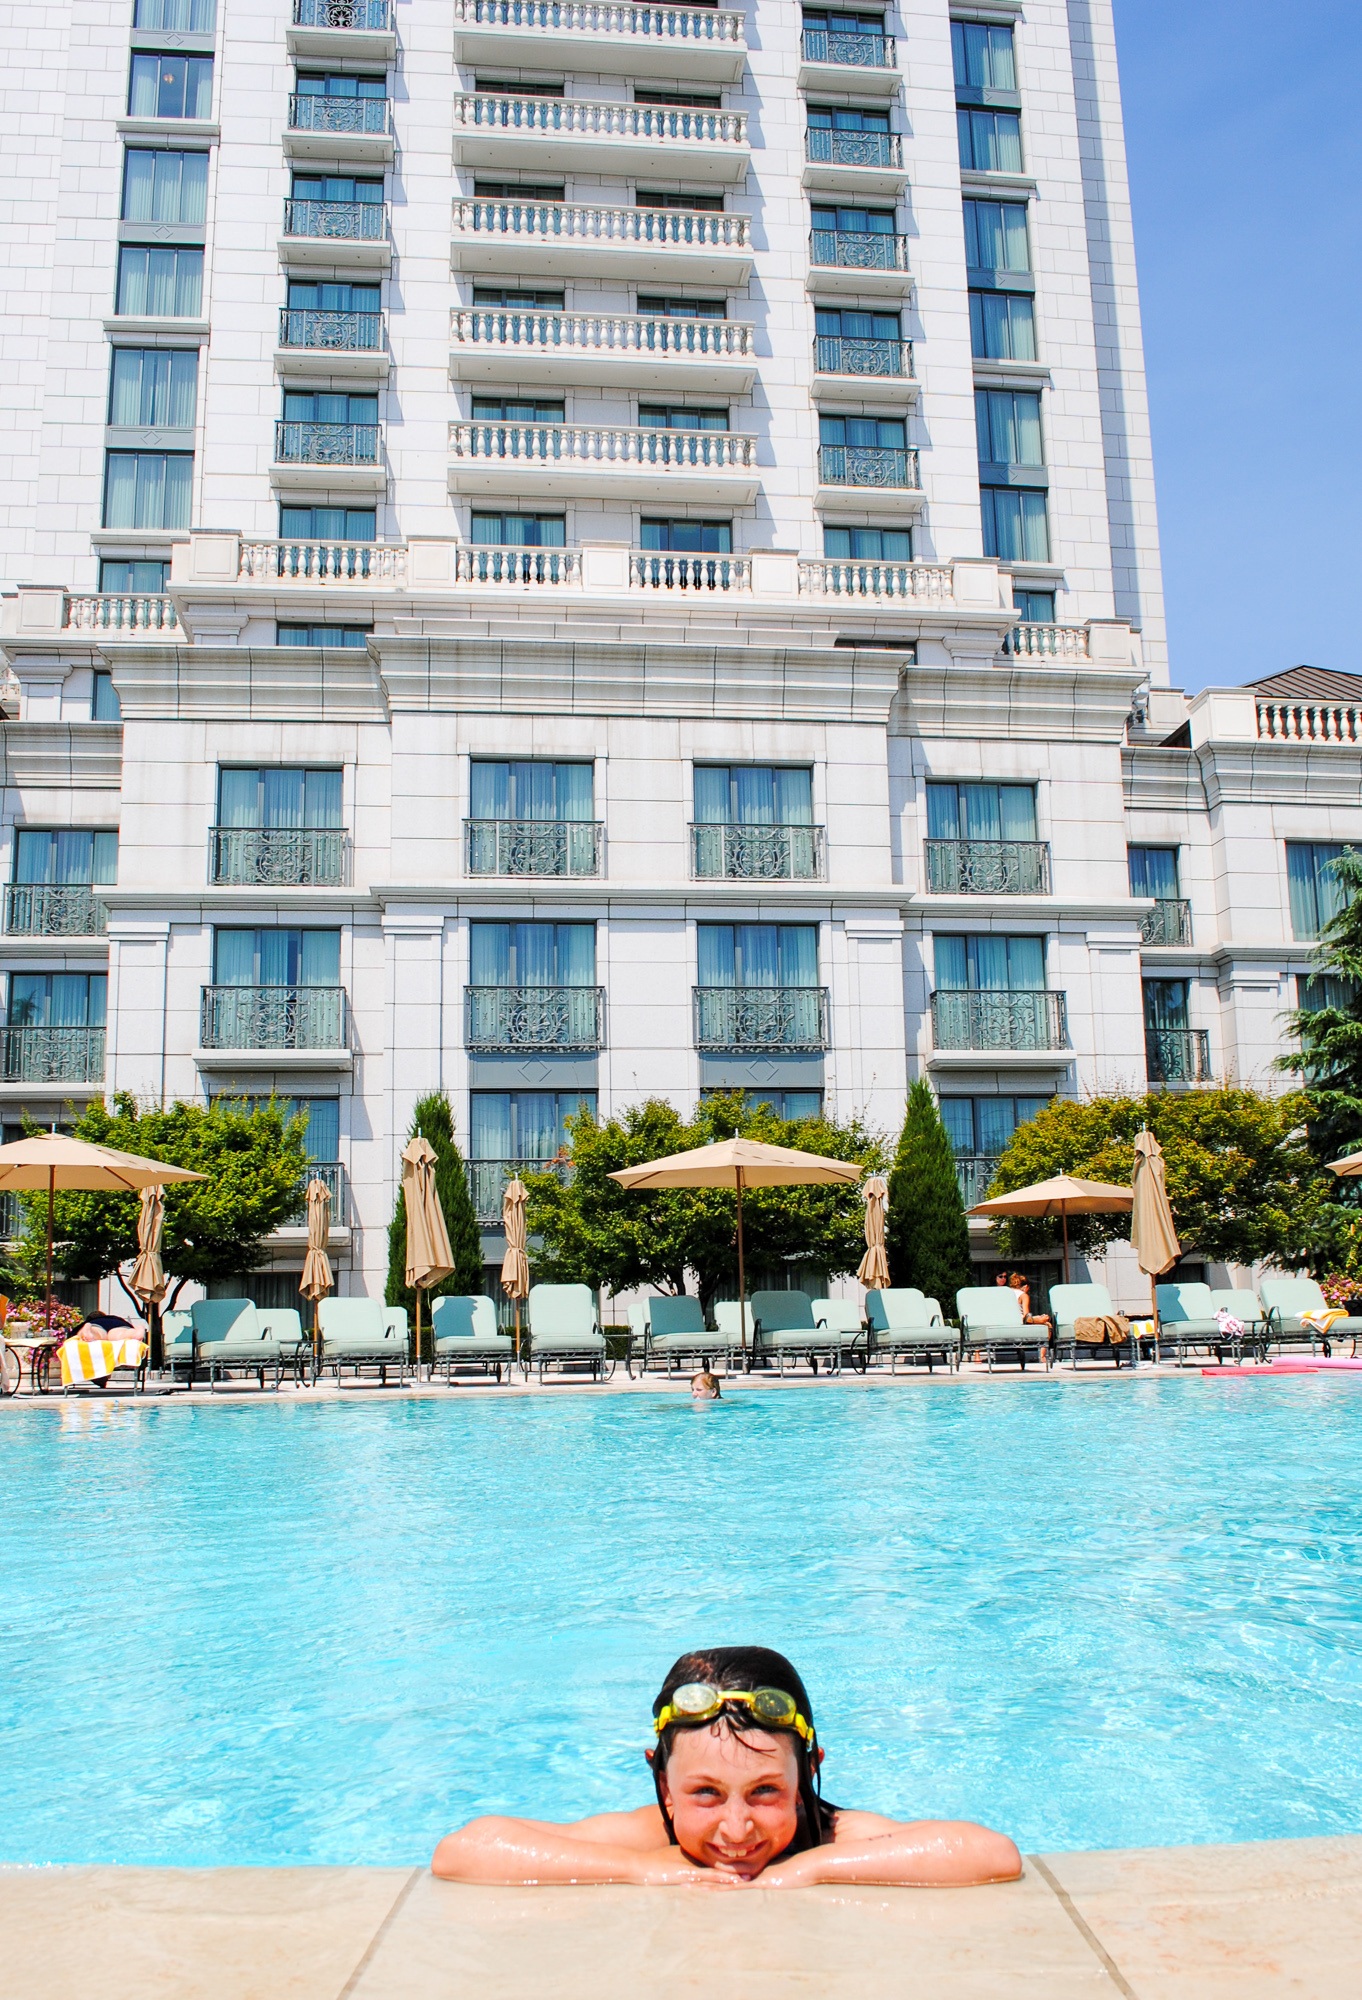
1093,1615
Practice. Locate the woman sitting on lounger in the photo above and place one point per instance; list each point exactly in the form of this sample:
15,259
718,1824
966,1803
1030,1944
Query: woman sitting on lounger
736,1769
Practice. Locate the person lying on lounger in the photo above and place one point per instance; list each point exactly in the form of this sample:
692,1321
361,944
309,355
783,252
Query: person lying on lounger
735,1766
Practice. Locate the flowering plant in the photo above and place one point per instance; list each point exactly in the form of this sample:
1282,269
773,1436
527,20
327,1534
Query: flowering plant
64,1320
1338,1288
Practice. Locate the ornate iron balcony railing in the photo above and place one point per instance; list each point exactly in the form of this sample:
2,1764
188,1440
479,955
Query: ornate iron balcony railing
868,465
823,147
345,221
974,1172
827,45
988,867
1001,1020
52,1055
589,444
789,1018
756,853
324,562
265,857
367,116
603,333
338,332
272,1017
585,223
533,846
599,17
113,612
68,909
487,1181
693,573
479,563
370,15
846,354
858,249
1177,1055
507,1018
901,583
587,118
1169,922
325,444
332,1175
1047,642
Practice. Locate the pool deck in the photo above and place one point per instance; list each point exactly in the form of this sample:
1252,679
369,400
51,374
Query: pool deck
1194,1923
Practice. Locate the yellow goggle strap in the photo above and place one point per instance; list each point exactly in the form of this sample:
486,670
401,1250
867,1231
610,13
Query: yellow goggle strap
755,1700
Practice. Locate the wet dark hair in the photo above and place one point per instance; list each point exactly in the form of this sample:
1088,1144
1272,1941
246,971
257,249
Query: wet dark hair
746,1668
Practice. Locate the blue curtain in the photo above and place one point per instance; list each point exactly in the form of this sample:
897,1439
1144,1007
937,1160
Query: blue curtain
321,798
576,945
491,1126
997,1122
575,789
154,386
319,963
957,1115
943,818
716,955
711,796
1165,1003
238,798
798,954
1017,811
281,797
989,964
490,955
1154,872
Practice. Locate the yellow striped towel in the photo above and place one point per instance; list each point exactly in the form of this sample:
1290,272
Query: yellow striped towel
92,1360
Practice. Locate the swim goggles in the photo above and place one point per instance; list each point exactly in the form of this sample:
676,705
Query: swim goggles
699,1701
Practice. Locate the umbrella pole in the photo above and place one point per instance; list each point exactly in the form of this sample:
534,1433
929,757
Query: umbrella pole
418,1333
517,1333
51,1194
1064,1224
742,1275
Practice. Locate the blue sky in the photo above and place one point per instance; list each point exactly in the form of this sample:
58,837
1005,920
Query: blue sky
1245,144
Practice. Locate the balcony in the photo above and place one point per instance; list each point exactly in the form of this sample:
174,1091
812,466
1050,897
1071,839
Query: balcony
336,234
575,135
878,582
781,1019
847,472
974,1173
592,461
827,55
636,245
347,344
1002,1022
40,909
52,1055
1168,923
1177,1055
603,349
272,1019
332,1176
347,454
490,564
507,1019
729,852
694,575
858,260
278,857
114,616
357,129
1047,642
533,846
700,43
324,563
844,354
988,867
487,1182
344,31
857,162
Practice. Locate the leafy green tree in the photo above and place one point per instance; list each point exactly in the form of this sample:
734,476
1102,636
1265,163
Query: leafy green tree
597,1233
433,1119
1329,1059
1242,1182
927,1236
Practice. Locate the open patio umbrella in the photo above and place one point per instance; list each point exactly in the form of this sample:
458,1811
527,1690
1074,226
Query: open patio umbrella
515,1265
873,1269
1153,1237
317,1279
429,1257
51,1160
148,1279
1348,1168
739,1164
1063,1196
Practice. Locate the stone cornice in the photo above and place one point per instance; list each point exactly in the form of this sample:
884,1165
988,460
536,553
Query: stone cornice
62,754
247,684
1154,775
1043,703
1260,774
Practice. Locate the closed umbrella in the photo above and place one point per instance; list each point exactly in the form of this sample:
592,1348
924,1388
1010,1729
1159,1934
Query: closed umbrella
317,1280
148,1280
1061,1197
515,1265
873,1269
739,1164
1153,1237
429,1257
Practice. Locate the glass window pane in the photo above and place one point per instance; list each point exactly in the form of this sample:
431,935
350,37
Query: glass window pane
996,1123
490,791
320,959
1026,964
716,948
952,964
957,1115
1017,811
943,821
322,798
711,795
239,798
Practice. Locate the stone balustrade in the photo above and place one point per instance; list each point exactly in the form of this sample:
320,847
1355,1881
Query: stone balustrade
559,17
603,333
110,614
1047,642
603,445
587,222
1309,722
592,118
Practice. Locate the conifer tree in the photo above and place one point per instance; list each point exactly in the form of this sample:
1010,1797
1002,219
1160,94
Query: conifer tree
927,1237
1329,1059
434,1120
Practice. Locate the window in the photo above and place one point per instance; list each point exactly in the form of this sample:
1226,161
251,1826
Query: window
154,385
520,531
279,796
104,702
879,433
688,538
868,544
686,100
1316,990
1165,1005
1002,326
1008,426
516,410
791,1105
775,955
843,24
832,118
753,795
508,295
835,323
1034,607
531,191
666,307
147,489
276,958
336,84
159,284
854,221
1016,528
342,188
531,789
322,635
164,187
984,1125
72,857
981,812
176,17
328,406
138,578
1315,892
990,141
995,237
648,198
171,87
676,417
984,57
327,524
333,297
492,86
988,964
57,999
532,954
321,1140
526,1125
1154,872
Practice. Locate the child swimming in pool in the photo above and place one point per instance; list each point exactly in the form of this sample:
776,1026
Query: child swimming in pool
704,1387
735,1767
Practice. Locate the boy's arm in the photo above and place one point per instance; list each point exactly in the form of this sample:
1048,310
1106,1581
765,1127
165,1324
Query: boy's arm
925,1853
609,1847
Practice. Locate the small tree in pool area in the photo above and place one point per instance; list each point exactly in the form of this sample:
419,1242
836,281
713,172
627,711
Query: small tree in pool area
434,1120
927,1236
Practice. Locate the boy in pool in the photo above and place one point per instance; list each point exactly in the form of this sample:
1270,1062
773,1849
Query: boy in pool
704,1387
736,1770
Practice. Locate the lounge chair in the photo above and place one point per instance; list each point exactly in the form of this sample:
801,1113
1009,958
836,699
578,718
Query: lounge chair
231,1338
466,1336
784,1329
991,1322
1070,1303
1187,1322
564,1331
726,1323
844,1316
362,1333
675,1335
905,1324
177,1340
1285,1299
1244,1306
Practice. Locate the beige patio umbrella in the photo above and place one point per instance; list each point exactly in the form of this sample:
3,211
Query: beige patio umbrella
873,1269
1063,1196
429,1257
317,1279
147,1281
739,1164
1347,1168
1153,1237
515,1265
51,1160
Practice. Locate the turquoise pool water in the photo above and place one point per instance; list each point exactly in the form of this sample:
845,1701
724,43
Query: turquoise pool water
308,1633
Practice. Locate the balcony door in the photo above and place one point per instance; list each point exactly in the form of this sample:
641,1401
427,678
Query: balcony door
57,999
987,964
532,955
246,958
